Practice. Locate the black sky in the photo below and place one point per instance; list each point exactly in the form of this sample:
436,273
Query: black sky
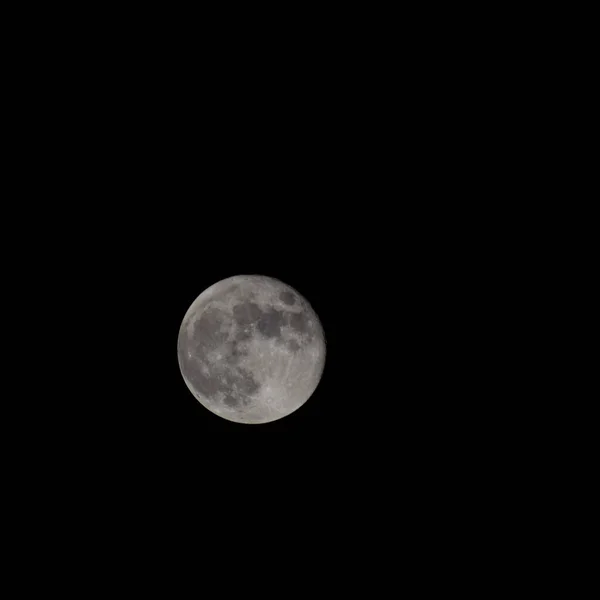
377,172
354,213
373,203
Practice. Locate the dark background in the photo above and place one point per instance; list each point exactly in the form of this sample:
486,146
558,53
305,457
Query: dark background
359,186
378,173
363,230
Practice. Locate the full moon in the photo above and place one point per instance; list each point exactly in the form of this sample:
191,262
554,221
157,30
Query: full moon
251,349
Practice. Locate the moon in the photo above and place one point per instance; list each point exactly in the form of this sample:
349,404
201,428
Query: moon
251,349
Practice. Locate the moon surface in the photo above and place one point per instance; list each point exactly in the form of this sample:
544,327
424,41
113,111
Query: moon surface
251,349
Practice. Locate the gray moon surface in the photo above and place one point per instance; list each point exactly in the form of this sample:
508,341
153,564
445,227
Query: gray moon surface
251,349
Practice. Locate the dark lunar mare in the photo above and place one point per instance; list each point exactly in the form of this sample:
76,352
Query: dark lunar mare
243,334
270,323
234,352
246,313
298,321
232,381
287,298
227,377
207,329
242,380
207,385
